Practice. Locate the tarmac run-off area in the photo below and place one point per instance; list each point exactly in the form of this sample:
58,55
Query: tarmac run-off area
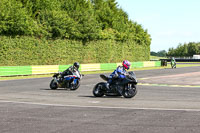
168,101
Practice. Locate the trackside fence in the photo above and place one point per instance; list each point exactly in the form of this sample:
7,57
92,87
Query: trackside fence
46,69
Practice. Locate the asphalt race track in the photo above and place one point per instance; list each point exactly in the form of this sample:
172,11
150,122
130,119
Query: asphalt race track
168,101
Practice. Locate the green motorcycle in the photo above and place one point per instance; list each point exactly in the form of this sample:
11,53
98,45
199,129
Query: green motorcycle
173,63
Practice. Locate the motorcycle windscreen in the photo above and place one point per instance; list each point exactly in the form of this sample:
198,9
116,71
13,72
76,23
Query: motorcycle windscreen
77,74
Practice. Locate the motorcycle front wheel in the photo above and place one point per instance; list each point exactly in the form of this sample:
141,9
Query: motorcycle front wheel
129,91
97,90
76,86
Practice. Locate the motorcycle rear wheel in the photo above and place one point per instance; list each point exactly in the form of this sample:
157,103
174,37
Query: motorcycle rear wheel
53,85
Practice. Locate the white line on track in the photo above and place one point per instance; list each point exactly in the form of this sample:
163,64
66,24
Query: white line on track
102,107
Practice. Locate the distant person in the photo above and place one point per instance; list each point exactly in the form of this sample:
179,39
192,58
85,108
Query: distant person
173,62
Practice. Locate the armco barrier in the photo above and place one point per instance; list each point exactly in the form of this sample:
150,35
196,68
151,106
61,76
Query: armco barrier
157,63
182,60
148,64
137,64
46,69
63,67
108,66
90,67
15,70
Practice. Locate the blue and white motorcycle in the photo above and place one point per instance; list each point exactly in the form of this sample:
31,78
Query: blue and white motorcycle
71,82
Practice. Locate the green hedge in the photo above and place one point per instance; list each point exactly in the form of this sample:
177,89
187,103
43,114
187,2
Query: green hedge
22,51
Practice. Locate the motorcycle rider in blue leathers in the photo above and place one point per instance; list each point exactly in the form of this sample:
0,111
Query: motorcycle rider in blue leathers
119,73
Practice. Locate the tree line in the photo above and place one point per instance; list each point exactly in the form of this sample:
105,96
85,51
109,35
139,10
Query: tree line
161,53
51,32
186,49
82,20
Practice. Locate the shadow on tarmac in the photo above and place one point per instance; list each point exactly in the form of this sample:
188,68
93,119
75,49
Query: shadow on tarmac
59,89
100,97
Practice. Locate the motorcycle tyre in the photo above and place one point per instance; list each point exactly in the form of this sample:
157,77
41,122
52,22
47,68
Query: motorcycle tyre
76,87
130,95
100,91
53,85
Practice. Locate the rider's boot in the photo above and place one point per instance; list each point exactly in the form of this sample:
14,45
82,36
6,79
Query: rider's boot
107,85
60,80
67,84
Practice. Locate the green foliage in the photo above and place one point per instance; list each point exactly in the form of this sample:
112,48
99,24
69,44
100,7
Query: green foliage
14,19
86,28
33,51
83,20
189,49
161,53
36,32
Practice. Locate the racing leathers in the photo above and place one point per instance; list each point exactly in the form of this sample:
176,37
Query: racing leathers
173,63
70,71
119,73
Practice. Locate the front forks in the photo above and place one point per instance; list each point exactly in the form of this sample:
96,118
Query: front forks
129,86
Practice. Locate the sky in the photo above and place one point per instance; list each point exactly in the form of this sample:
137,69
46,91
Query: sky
169,22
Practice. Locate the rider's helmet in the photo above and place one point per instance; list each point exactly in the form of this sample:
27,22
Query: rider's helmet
126,64
172,59
76,65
